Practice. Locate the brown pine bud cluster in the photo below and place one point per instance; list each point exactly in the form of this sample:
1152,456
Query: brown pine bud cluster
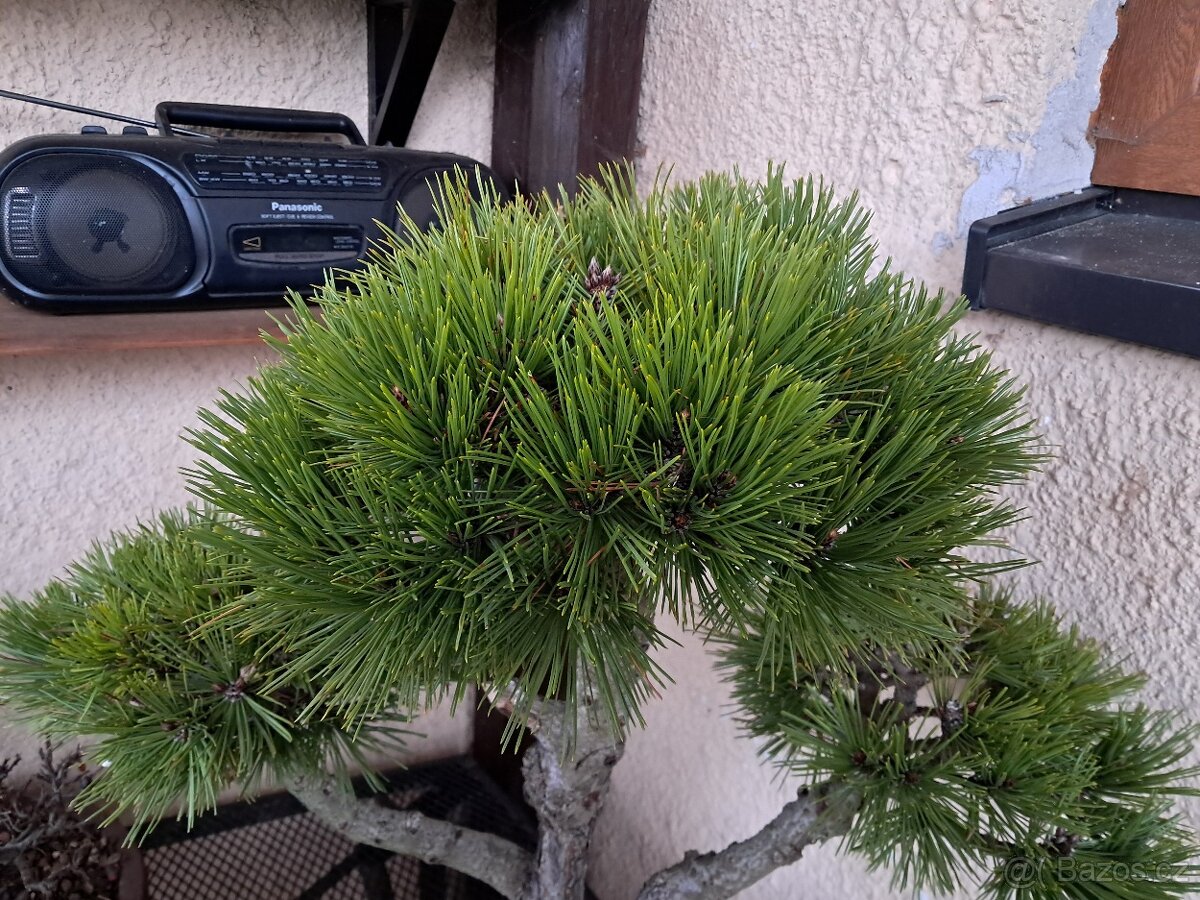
236,690
722,485
1063,843
601,283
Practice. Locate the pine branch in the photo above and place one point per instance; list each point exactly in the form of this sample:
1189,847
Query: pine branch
567,773
491,859
568,796
817,814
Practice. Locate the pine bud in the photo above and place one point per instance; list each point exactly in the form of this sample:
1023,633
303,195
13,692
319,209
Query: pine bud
1063,843
681,521
722,485
232,692
177,731
601,283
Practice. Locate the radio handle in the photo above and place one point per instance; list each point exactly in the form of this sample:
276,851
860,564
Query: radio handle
254,118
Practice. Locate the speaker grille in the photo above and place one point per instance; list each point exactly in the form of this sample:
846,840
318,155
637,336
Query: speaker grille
18,220
89,223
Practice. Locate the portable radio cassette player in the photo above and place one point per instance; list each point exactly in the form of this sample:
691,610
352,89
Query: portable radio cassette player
99,222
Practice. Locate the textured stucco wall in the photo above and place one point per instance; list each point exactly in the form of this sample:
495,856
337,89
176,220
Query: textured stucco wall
89,442
937,113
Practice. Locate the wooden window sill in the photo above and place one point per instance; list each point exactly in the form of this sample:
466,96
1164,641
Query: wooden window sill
24,332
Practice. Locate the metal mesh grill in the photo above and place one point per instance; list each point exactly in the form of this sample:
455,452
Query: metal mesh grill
92,223
274,850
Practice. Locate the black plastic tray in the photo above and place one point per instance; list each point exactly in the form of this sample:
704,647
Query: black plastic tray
1110,261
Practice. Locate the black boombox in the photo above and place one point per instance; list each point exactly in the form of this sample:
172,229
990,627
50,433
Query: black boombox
97,222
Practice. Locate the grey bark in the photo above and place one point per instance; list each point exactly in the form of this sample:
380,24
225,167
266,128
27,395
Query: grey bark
568,793
567,773
817,814
491,859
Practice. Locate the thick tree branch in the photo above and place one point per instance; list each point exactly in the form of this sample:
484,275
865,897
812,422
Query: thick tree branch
568,796
493,860
567,772
817,814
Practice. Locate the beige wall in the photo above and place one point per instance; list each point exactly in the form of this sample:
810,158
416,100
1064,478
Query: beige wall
89,441
937,112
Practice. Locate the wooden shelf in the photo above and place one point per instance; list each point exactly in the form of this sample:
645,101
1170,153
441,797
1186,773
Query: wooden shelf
24,332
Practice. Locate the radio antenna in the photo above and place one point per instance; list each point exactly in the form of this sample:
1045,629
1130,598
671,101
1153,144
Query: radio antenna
70,107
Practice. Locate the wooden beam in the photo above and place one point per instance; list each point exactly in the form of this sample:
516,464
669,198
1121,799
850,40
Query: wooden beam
568,83
1147,126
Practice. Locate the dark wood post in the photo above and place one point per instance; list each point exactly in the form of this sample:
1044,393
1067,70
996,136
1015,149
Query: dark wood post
568,82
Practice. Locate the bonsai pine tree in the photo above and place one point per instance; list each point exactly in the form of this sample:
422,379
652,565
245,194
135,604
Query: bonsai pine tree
506,451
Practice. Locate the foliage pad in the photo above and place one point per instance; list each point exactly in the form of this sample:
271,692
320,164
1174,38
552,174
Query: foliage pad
509,442
1021,756
506,449
125,647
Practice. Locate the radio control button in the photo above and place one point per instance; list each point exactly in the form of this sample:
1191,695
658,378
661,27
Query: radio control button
292,172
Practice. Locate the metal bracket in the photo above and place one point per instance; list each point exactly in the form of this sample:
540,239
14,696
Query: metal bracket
403,40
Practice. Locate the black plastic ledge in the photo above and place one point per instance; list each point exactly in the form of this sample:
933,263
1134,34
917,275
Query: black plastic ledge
1109,261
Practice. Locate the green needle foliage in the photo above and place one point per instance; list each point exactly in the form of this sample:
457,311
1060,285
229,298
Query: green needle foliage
507,444
505,450
1023,757
125,647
